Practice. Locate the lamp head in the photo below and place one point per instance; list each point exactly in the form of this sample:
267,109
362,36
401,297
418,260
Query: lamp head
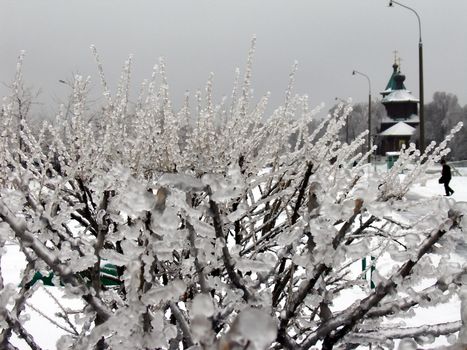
353,72
390,3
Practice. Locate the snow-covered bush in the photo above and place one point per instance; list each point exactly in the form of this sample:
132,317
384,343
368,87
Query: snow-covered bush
222,233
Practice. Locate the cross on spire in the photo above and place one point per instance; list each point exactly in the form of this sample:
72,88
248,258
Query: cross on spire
399,63
395,56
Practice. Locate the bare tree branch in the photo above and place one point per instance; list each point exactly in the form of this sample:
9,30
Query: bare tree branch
228,261
349,319
182,323
19,227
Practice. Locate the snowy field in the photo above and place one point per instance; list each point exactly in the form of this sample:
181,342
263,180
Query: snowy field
47,333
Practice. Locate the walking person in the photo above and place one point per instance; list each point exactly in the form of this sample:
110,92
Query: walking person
446,177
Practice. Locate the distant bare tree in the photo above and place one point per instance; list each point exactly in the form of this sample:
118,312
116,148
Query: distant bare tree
441,115
357,120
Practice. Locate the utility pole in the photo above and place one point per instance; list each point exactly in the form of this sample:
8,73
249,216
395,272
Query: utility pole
420,75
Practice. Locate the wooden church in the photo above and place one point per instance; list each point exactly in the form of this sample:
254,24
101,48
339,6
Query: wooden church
399,125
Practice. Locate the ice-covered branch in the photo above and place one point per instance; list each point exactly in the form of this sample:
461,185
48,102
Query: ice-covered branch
434,330
344,323
306,286
199,266
182,323
424,296
227,258
171,225
19,227
18,328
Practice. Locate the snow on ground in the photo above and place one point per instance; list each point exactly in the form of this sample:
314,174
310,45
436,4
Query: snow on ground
433,188
44,332
47,333
442,313
447,312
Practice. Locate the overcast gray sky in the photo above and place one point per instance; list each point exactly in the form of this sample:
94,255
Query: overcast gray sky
328,38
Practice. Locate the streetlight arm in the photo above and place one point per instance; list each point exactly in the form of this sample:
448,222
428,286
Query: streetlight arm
366,76
416,14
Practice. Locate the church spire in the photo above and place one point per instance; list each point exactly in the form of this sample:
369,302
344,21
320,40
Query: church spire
395,65
396,81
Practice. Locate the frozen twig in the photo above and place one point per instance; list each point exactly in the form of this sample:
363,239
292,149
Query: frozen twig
19,227
182,323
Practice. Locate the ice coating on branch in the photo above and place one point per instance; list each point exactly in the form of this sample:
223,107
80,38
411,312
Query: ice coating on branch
225,189
182,182
114,257
202,306
7,294
16,199
463,312
76,262
407,344
173,243
254,327
264,262
226,227
203,229
5,232
239,213
202,330
134,198
287,238
358,249
167,221
172,291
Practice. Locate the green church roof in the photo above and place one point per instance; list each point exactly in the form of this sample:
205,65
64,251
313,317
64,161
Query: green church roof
392,83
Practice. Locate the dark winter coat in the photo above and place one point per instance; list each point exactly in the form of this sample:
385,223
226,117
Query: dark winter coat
446,174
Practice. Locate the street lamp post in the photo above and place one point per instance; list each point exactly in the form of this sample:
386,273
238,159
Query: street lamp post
420,76
369,110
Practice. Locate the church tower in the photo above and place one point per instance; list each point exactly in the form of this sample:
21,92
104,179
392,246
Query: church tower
402,119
